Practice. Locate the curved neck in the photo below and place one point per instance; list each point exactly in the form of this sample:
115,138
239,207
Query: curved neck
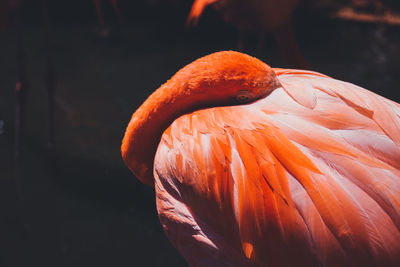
210,81
147,126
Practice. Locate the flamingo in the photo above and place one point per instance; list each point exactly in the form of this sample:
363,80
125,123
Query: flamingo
261,166
260,16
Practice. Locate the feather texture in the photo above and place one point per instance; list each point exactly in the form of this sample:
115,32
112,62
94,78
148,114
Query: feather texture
307,176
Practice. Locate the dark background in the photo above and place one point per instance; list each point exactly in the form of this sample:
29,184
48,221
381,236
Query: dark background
85,208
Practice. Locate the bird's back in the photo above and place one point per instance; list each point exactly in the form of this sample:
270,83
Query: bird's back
308,176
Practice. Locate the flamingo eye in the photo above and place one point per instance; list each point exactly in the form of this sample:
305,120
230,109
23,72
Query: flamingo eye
243,96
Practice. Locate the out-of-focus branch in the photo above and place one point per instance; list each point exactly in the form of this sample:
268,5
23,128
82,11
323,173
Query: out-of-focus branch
50,74
350,14
21,88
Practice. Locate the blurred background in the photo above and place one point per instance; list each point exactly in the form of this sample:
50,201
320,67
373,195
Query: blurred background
70,201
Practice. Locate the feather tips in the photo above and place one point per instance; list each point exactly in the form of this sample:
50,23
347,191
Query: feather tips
294,172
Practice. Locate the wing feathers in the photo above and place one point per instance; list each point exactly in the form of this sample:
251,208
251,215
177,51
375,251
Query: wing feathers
312,173
303,93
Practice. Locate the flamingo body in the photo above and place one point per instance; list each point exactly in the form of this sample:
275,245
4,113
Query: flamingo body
308,175
261,16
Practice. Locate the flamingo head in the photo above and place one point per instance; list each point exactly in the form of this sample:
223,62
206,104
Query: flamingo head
220,79
228,78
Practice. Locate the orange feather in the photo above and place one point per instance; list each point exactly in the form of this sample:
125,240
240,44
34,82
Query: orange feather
306,173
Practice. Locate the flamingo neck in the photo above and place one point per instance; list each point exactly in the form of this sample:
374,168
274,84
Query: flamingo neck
210,81
147,125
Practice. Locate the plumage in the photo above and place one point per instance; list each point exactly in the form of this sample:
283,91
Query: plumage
308,175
